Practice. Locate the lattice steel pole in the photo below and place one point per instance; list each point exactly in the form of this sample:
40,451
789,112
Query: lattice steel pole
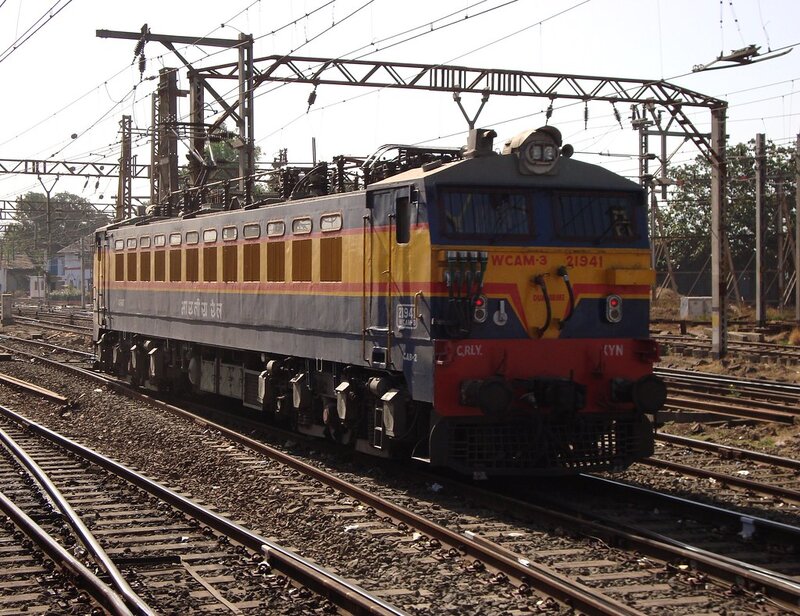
761,183
245,123
719,265
166,164
124,188
49,239
797,231
198,131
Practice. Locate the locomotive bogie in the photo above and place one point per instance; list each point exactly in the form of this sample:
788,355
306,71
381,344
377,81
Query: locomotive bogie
369,412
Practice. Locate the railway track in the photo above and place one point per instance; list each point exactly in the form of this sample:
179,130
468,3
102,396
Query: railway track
786,393
752,350
179,555
602,577
29,578
645,589
763,544
731,396
84,330
64,313
375,516
54,351
613,568
730,453
740,469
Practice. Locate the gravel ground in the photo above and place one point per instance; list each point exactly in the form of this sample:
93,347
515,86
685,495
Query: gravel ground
424,579
711,492
777,439
197,462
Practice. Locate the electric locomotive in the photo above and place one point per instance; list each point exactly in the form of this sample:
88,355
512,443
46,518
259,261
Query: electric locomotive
483,312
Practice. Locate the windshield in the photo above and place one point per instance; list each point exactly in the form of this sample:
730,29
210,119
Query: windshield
486,213
586,216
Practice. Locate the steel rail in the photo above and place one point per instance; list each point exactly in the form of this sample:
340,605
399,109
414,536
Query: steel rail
725,408
48,345
65,561
53,325
768,348
36,310
51,314
789,533
646,541
770,398
728,399
727,451
551,582
776,586
546,580
134,601
346,595
739,482
728,380
40,391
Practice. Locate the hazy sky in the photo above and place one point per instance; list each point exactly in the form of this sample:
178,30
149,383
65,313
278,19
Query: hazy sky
63,80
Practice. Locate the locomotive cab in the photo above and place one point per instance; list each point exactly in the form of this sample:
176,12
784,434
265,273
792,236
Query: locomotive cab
538,313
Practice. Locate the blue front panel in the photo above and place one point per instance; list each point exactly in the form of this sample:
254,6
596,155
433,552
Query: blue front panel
525,217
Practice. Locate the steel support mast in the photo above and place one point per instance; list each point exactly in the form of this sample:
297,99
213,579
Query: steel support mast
124,188
241,111
462,79
761,226
251,72
797,232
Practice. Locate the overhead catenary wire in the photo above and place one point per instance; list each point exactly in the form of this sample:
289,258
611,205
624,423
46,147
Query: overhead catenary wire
199,40
536,113
309,40
249,6
429,31
736,21
575,103
27,35
375,90
61,146
234,89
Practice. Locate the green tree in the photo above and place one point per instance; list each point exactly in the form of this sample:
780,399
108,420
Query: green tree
687,217
71,217
221,156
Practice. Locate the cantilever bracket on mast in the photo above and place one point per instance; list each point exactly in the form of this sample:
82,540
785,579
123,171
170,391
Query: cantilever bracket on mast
471,122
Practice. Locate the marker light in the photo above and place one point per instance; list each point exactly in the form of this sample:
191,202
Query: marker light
613,308
479,313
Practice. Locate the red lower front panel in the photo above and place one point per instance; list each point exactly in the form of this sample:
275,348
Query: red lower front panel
593,363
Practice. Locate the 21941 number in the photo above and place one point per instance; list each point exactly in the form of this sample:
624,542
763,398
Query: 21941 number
584,260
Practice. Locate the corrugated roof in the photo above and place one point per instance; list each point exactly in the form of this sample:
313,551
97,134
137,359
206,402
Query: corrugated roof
75,247
17,262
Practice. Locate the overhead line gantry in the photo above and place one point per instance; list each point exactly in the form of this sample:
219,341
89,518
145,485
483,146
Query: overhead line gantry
251,72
